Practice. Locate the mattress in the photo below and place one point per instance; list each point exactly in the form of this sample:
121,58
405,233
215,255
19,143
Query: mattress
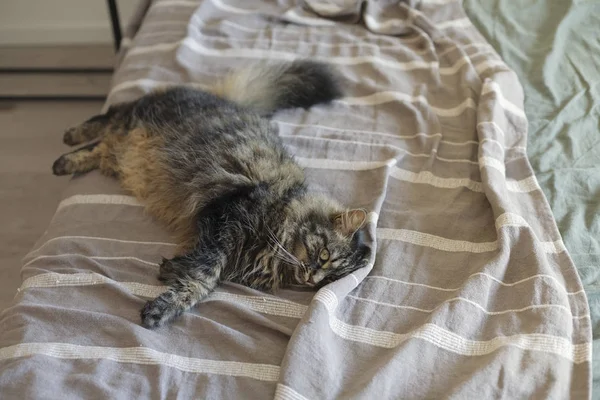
472,292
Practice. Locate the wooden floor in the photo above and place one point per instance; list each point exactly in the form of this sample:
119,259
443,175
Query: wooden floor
30,140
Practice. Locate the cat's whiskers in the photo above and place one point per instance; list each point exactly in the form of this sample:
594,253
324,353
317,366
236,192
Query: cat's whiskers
279,257
291,258
284,255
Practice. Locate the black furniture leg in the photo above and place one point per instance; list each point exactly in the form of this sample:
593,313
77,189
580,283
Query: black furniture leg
115,22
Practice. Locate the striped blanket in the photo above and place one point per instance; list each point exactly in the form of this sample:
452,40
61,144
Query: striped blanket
472,294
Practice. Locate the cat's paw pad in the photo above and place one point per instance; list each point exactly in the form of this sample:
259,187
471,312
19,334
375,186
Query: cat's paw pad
62,166
70,137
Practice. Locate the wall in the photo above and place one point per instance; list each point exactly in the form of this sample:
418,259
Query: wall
34,22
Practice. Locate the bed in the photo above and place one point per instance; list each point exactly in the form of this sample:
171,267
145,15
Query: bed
473,293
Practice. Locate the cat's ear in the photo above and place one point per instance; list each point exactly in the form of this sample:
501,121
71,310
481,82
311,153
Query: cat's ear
348,222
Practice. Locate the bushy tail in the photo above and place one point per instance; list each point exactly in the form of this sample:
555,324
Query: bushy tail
270,87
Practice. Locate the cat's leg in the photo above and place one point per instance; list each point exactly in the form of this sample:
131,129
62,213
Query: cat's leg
191,278
89,130
83,159
168,272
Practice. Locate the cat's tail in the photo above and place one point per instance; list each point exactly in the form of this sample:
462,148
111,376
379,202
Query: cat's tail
270,87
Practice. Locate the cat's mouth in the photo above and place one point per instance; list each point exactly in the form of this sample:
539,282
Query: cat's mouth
304,279
312,279
302,276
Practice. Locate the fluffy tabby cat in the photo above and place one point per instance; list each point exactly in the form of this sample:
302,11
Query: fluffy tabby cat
211,166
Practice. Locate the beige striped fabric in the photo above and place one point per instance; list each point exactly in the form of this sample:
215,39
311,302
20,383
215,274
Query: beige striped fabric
472,294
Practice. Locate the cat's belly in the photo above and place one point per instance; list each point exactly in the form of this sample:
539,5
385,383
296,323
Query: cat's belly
142,170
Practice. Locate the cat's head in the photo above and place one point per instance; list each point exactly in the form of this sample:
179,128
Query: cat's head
327,245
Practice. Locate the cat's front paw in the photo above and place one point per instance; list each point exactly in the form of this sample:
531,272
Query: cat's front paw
157,312
62,166
152,314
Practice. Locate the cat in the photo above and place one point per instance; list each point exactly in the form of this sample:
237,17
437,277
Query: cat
210,165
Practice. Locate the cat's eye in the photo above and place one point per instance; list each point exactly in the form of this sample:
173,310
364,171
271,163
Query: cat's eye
324,255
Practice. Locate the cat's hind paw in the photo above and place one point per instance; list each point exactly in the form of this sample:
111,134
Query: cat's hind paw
62,166
71,137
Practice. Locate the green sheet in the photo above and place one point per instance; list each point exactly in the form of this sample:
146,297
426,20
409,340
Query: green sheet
554,47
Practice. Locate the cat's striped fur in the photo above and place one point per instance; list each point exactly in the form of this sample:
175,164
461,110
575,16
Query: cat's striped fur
211,166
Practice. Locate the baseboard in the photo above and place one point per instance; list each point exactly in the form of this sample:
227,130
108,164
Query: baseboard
52,84
49,56
96,33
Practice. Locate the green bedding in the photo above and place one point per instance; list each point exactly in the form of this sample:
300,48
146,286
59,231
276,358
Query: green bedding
554,47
